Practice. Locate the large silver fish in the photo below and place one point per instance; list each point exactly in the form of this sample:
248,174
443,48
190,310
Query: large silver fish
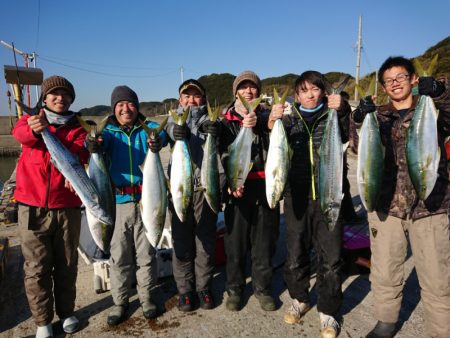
239,158
154,191
422,149
71,168
99,175
181,172
209,174
331,166
278,159
369,172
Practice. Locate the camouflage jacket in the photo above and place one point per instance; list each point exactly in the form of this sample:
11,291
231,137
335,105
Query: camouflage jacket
398,197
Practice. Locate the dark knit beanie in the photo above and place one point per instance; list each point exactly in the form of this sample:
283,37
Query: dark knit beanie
123,93
247,75
191,83
56,82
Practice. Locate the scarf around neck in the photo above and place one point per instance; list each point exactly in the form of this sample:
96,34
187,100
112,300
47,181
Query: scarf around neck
58,119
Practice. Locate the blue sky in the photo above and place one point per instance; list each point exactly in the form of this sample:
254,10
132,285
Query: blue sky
143,44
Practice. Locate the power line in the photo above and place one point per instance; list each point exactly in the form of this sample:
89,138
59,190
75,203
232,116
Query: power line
107,74
55,58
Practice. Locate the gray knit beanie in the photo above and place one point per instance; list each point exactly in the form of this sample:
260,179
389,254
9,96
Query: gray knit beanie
247,75
123,93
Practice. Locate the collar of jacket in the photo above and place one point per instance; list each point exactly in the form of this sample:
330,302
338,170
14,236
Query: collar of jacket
389,110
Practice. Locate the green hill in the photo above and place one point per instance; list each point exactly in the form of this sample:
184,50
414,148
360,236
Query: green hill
219,86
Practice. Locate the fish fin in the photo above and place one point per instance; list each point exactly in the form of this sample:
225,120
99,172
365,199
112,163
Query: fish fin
432,66
371,89
86,126
276,98
183,118
30,111
141,166
245,102
419,69
340,87
102,124
213,113
250,166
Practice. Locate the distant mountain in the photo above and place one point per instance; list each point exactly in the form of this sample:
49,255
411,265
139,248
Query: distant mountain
219,86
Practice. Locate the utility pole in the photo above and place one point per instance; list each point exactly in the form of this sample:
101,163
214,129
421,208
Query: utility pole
358,58
26,57
182,74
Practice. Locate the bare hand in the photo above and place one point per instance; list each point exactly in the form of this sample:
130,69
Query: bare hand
38,122
249,120
69,186
237,193
335,101
276,113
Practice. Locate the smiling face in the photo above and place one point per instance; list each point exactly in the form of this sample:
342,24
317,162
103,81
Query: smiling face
309,95
248,90
191,97
126,113
58,100
398,84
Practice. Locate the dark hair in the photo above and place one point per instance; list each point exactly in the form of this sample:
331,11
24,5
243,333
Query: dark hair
395,61
313,77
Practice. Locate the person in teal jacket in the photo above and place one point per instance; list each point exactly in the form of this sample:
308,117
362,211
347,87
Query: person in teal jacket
124,143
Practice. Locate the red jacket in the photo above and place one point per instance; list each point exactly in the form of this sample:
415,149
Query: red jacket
38,182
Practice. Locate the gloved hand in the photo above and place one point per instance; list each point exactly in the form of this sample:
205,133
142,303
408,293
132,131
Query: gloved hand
154,144
181,132
211,127
365,107
430,86
92,144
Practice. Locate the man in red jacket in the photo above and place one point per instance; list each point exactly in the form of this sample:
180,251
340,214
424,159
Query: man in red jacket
49,209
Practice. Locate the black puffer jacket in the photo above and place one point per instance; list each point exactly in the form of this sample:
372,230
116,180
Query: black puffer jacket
304,137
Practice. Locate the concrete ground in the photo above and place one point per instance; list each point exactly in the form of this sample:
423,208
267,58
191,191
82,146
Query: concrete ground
251,321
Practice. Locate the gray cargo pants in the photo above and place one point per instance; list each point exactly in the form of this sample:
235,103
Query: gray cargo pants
430,246
131,256
49,247
194,243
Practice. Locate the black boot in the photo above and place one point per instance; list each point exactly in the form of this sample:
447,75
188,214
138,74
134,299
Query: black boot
383,330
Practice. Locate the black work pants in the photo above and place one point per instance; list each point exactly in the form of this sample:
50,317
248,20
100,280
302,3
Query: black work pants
250,226
306,228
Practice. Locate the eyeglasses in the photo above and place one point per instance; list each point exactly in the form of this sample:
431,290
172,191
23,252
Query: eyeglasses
399,78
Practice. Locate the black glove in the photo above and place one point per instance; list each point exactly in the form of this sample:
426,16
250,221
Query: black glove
181,132
154,144
365,107
92,144
211,127
430,86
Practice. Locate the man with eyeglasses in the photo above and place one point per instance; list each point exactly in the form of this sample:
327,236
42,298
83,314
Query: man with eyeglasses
399,212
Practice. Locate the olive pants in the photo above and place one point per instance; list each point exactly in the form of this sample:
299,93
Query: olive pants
430,246
49,246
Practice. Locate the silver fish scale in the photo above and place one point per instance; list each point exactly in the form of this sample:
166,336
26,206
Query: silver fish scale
331,170
422,148
72,170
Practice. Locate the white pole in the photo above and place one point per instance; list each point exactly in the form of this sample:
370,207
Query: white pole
182,74
358,58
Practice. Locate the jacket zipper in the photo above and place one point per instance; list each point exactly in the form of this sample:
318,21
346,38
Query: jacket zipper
311,157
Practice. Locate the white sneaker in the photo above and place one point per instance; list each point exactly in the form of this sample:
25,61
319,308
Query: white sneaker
295,312
44,331
329,327
70,324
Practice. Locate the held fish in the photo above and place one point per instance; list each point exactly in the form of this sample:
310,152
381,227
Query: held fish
239,159
370,162
181,172
99,175
278,159
422,148
154,191
209,173
331,166
72,170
